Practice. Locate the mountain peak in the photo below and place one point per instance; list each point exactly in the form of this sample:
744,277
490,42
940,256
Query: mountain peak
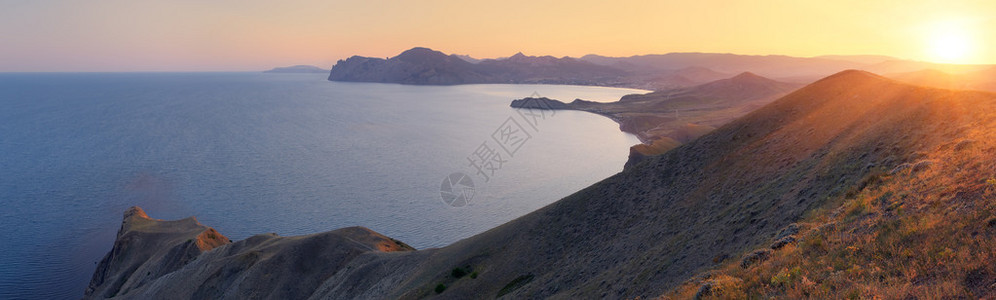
742,79
854,75
518,57
421,65
421,54
748,76
419,50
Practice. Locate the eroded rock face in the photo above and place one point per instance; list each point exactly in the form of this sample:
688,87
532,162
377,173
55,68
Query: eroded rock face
186,260
147,248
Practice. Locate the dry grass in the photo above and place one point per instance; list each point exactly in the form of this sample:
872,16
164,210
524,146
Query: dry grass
924,232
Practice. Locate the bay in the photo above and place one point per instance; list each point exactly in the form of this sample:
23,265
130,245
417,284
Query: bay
250,153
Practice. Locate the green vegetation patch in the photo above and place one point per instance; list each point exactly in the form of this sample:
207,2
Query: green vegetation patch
515,284
458,272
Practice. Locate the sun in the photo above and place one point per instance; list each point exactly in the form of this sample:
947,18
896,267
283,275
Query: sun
950,47
949,43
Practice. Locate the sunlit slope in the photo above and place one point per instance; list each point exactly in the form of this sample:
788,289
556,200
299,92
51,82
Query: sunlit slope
923,229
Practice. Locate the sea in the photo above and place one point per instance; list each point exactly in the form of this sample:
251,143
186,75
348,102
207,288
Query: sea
292,154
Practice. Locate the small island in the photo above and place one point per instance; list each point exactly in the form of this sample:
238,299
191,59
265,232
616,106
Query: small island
297,69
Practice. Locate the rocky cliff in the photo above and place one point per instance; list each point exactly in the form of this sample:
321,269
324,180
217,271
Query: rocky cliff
428,67
146,249
156,259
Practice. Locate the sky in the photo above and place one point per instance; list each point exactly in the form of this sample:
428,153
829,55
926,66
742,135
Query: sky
252,35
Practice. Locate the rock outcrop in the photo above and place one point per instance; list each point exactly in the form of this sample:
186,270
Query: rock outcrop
146,249
539,103
155,259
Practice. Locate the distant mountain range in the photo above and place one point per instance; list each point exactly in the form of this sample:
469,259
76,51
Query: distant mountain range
297,69
426,66
654,72
982,80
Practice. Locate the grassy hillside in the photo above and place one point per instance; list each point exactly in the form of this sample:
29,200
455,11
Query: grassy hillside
923,229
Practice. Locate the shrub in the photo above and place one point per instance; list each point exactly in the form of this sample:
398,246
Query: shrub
813,244
854,294
782,242
786,276
440,288
885,199
704,291
856,209
758,256
515,284
458,272
722,287
473,275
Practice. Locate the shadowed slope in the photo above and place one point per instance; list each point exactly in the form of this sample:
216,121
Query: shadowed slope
655,225
147,248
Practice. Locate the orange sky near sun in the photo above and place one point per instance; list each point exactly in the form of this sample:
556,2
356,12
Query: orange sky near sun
230,35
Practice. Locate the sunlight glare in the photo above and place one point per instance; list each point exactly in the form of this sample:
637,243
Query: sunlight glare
949,43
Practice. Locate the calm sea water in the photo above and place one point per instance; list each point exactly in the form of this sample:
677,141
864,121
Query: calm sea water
254,153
